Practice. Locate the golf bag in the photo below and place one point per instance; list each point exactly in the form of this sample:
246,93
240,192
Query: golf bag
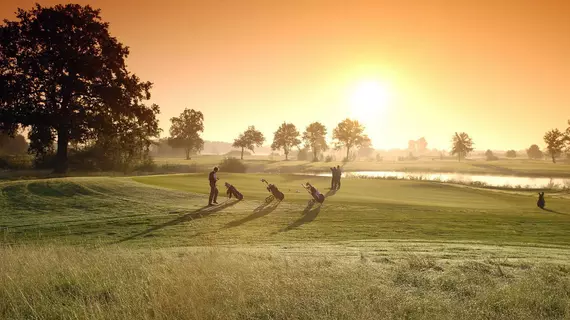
541,202
317,196
275,193
232,191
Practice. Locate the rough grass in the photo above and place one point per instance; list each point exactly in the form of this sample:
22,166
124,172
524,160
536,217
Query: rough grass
115,283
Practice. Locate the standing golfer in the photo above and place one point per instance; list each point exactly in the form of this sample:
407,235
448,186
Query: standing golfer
333,179
213,190
338,176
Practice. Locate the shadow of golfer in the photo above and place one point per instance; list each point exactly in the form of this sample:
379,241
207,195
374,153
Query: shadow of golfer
550,210
330,193
197,214
309,214
263,210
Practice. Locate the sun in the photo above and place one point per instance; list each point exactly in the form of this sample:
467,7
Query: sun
368,100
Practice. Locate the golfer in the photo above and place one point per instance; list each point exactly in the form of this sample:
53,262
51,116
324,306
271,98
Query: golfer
213,200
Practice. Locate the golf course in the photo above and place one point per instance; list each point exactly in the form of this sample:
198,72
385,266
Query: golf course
148,247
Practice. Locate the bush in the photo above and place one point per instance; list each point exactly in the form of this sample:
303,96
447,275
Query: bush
237,153
511,154
379,158
303,155
19,162
329,158
490,156
232,165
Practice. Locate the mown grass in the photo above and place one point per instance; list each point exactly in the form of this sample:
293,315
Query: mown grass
115,283
517,167
170,211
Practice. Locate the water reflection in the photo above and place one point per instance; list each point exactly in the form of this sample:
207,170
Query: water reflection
484,180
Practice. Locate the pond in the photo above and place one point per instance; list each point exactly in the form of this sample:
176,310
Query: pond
481,180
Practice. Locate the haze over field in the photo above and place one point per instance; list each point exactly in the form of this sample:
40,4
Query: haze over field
498,70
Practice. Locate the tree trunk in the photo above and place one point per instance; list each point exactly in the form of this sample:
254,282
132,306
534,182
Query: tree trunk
347,153
187,153
242,153
553,159
61,164
315,156
286,155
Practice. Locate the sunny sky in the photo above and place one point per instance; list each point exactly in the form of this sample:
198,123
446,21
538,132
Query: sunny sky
498,70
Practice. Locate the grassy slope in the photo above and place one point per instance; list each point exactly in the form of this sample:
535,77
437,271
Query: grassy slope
169,211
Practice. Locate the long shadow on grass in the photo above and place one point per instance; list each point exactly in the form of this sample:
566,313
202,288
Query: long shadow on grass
330,193
263,210
550,210
197,214
309,214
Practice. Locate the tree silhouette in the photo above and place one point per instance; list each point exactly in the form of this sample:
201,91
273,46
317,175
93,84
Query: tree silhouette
286,137
314,137
185,131
461,145
349,134
555,142
249,139
64,76
533,152
511,154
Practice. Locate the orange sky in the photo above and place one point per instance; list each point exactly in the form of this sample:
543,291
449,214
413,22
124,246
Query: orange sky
498,70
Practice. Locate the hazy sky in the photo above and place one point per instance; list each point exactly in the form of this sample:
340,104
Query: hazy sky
498,70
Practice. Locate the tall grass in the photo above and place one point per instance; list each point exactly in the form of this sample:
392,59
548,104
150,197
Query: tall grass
115,283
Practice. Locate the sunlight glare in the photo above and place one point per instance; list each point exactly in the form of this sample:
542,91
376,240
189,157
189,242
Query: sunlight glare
368,100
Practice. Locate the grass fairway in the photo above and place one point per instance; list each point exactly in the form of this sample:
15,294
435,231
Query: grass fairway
148,248
514,167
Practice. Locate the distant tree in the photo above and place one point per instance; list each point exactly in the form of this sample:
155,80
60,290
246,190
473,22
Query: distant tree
64,77
303,154
185,131
421,145
314,137
462,145
490,156
567,140
249,139
13,145
366,150
286,137
412,146
533,152
349,134
511,154
555,143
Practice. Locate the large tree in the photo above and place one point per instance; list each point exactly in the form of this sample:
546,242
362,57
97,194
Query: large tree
314,137
555,142
286,137
249,139
64,77
185,131
349,134
533,152
461,145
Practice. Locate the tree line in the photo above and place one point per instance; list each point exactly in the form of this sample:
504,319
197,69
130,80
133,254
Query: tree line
64,82
349,134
